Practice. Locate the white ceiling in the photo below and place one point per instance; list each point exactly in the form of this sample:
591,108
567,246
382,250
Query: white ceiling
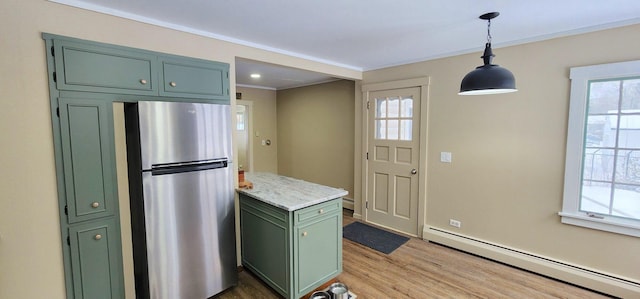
371,34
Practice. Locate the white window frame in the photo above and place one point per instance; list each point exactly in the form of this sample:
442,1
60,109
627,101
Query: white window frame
571,214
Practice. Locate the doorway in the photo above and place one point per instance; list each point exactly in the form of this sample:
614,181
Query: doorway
396,145
243,132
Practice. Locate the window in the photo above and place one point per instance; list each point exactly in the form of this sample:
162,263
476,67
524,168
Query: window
602,170
240,117
394,118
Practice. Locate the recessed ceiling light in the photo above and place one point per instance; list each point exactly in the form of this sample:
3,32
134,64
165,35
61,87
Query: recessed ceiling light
255,76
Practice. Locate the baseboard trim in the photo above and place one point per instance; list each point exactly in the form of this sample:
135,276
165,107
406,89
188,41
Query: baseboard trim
347,203
575,274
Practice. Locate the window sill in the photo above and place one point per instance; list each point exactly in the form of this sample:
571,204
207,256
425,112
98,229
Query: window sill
609,224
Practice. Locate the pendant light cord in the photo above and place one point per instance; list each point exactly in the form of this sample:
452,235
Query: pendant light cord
489,31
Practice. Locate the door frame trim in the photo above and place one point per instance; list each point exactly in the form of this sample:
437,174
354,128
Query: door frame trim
249,127
423,83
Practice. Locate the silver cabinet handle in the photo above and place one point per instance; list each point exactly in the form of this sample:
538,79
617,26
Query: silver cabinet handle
414,171
143,81
321,211
305,234
173,84
95,204
98,237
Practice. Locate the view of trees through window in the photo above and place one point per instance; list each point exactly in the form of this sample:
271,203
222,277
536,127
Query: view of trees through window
611,164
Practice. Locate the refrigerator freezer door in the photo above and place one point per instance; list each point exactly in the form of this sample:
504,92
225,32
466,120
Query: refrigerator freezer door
173,132
190,232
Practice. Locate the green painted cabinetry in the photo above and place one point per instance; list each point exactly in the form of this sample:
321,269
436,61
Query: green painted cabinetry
292,251
88,155
98,68
95,259
90,186
85,79
194,78
317,245
94,67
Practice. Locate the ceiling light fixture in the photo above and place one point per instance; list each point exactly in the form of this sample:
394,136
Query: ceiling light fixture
488,78
255,76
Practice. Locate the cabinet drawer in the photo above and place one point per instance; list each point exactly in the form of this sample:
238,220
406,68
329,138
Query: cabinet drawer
318,211
266,211
194,78
88,67
95,260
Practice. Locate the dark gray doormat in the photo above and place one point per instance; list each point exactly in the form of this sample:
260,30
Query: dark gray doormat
372,237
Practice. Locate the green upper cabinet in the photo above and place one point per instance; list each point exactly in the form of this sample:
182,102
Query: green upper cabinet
97,68
89,162
194,78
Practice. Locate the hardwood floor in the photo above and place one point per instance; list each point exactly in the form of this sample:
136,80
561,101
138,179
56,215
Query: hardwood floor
419,269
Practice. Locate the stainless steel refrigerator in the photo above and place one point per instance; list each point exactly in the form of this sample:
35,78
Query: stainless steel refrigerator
182,199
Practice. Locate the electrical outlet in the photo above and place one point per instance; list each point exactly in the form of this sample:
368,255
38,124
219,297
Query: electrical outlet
455,223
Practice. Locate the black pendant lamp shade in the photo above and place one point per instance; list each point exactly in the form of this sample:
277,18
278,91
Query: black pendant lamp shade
488,78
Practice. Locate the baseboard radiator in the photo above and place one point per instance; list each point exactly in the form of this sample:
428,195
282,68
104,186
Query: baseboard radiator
574,274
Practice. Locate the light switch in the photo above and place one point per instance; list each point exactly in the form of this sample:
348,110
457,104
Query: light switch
445,157
257,133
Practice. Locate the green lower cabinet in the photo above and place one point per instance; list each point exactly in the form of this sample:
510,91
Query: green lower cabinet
95,260
294,252
318,252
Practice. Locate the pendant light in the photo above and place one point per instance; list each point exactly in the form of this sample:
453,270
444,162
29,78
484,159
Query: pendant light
488,78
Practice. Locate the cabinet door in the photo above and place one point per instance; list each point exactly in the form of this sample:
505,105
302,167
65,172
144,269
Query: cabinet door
317,250
95,261
89,67
193,78
88,158
265,243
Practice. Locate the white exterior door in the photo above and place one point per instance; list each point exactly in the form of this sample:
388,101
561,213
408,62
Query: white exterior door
393,156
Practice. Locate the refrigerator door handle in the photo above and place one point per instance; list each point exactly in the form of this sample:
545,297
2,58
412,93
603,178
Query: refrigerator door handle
188,167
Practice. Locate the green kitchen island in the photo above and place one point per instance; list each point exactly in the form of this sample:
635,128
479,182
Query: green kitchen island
291,232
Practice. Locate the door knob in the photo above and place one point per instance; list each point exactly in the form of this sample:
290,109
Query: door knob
98,237
95,204
414,171
173,84
305,234
143,81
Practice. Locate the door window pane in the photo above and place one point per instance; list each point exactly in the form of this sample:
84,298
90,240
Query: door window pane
406,107
406,129
381,108
394,118
393,107
381,129
392,129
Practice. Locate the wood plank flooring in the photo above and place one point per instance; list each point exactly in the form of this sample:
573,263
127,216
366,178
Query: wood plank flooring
419,269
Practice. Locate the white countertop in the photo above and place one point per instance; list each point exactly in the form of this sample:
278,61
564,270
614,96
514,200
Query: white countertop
288,193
